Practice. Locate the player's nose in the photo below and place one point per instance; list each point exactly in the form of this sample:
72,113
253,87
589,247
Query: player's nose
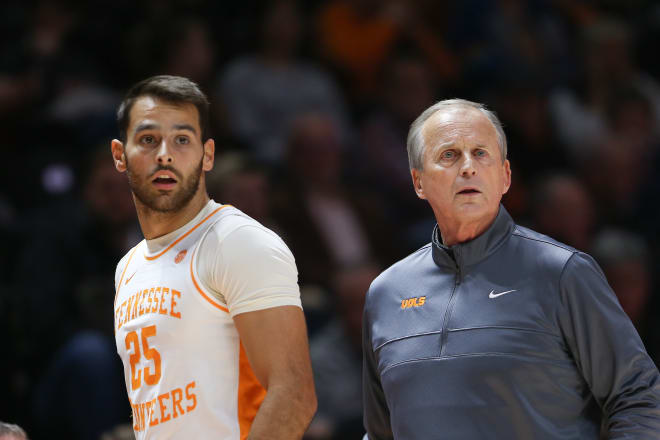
164,155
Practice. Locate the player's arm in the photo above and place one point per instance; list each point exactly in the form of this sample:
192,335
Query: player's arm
256,274
275,342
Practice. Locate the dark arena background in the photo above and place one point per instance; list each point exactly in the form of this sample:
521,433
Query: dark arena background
311,102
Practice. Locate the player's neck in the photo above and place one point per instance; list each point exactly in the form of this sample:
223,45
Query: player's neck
155,224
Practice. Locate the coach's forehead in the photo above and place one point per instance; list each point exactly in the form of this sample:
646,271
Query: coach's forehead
459,124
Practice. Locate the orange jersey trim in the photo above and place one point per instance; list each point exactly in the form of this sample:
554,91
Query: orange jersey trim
184,235
199,289
124,272
250,394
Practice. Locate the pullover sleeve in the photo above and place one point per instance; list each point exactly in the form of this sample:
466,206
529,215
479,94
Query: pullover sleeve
376,412
609,352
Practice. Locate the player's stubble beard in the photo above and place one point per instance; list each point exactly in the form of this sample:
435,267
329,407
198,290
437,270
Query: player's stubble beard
157,201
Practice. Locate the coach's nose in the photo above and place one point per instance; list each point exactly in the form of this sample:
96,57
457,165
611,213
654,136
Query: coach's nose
467,167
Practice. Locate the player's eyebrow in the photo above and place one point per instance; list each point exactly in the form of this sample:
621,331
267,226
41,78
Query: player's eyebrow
151,126
145,126
185,127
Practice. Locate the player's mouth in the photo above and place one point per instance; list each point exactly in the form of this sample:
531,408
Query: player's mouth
164,180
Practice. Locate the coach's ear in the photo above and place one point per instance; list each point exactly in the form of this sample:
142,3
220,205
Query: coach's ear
118,156
417,183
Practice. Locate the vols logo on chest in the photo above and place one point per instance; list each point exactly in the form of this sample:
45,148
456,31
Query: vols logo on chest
413,302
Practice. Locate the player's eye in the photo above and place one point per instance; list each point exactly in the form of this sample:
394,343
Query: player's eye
147,139
184,140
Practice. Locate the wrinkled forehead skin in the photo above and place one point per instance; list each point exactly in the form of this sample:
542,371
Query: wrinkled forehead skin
458,125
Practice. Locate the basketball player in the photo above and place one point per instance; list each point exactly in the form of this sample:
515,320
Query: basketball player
208,321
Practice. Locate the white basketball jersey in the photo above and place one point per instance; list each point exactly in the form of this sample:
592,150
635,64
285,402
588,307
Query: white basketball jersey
186,372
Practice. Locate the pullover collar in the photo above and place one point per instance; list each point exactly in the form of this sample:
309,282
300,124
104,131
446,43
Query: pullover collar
471,252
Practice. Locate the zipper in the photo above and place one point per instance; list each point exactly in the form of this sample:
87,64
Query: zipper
450,305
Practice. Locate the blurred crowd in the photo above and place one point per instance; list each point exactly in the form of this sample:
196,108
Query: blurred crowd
311,103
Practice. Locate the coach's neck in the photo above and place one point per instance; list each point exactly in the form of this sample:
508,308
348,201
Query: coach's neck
455,230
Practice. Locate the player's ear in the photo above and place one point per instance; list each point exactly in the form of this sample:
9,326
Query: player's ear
417,183
209,155
117,148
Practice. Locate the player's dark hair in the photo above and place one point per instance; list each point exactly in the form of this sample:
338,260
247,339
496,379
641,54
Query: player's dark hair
171,89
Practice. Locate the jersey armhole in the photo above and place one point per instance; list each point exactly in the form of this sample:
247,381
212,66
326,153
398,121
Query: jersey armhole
202,289
123,272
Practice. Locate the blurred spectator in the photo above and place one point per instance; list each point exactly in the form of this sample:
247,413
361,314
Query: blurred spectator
327,223
52,23
336,353
563,209
74,333
191,52
82,107
18,91
239,181
623,175
516,38
406,90
358,36
12,383
121,432
82,393
66,244
522,105
624,258
580,115
9,431
626,262
265,91
173,45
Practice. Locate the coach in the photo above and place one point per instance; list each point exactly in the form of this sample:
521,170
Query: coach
494,331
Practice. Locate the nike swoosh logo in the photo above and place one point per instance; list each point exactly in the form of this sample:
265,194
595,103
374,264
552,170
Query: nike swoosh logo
129,278
492,293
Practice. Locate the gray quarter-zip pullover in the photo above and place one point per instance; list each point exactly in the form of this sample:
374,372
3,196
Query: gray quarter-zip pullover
511,335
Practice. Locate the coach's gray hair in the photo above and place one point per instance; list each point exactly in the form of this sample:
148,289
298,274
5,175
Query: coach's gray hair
13,430
415,142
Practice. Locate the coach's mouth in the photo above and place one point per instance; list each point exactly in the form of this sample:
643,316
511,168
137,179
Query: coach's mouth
469,191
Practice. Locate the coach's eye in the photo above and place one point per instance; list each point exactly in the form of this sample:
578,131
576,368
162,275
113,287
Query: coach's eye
480,153
449,154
